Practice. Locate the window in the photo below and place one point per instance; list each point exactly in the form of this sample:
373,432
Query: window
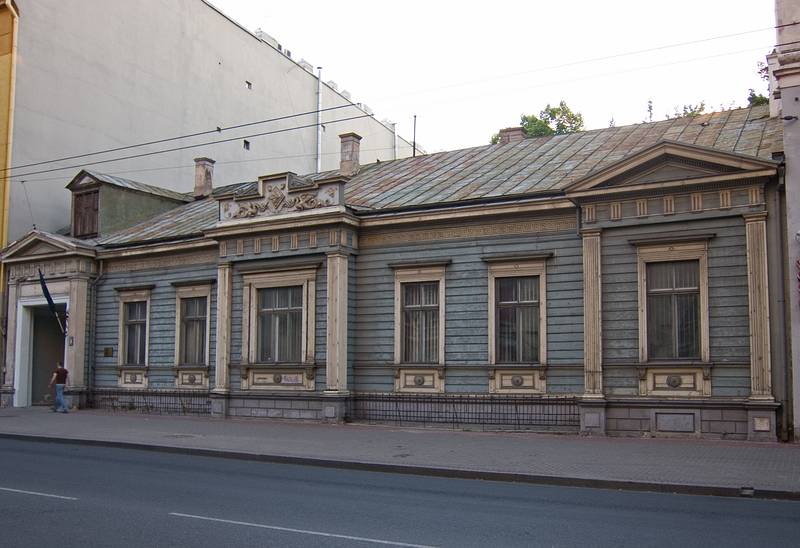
419,314
135,333
673,301
420,329
280,324
279,315
517,311
192,324
84,222
517,319
673,310
193,330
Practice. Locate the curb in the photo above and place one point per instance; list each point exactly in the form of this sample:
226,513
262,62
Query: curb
455,473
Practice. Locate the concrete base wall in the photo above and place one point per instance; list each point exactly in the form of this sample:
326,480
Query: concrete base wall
276,406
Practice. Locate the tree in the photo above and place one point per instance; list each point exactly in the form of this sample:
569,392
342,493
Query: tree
558,120
689,110
756,99
552,120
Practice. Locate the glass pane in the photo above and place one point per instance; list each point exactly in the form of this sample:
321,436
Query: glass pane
688,328
528,289
687,274
529,333
281,297
294,338
135,311
660,343
506,290
266,352
412,294
659,276
141,342
430,293
296,297
420,336
506,335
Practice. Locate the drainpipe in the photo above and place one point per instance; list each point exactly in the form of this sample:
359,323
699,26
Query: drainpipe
91,326
319,119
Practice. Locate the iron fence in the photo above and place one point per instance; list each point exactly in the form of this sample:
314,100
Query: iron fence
486,411
154,401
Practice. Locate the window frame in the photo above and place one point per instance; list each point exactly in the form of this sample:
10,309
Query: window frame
415,274
673,252
125,297
518,269
305,277
190,292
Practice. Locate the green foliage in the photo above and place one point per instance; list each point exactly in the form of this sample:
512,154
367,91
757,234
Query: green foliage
756,99
689,110
552,120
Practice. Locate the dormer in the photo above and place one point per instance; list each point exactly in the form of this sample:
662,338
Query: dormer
103,204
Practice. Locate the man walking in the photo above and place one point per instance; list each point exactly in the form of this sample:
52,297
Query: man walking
60,379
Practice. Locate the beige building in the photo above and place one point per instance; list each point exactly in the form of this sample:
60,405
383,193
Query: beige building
151,69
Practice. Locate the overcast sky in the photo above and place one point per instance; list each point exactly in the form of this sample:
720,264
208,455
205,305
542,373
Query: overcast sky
468,68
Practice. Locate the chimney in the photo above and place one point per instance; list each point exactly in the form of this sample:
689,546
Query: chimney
203,176
348,163
511,135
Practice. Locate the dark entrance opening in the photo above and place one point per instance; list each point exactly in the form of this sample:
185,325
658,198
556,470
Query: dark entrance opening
48,348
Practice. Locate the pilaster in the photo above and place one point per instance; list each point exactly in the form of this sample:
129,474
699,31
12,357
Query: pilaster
336,342
11,337
592,321
224,295
758,298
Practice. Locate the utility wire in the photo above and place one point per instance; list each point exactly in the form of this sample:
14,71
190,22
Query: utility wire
27,199
168,139
596,59
185,147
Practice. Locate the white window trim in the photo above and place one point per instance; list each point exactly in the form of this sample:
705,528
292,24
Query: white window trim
252,283
536,267
410,275
188,292
127,296
685,251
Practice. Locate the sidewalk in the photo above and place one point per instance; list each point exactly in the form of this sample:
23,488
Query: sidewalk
680,465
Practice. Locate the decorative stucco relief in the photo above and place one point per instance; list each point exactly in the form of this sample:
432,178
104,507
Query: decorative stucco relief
282,197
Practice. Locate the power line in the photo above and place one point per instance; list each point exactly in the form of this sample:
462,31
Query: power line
596,59
168,139
185,147
188,166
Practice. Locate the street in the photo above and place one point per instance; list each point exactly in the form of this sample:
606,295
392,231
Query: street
71,495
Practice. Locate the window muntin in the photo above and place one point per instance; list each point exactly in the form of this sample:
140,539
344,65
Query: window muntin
135,319
280,324
673,309
517,319
193,322
420,322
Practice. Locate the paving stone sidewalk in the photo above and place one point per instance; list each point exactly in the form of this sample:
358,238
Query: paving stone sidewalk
678,462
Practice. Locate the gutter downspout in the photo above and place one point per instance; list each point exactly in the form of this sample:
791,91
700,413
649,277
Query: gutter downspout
319,119
92,323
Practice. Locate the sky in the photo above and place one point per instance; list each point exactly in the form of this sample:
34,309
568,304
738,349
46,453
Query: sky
467,69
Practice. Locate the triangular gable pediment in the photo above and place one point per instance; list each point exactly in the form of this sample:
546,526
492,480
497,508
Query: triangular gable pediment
669,164
81,180
36,245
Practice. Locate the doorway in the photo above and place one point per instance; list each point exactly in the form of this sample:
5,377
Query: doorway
48,348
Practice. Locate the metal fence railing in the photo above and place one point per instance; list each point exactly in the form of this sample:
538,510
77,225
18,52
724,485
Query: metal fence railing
487,411
152,401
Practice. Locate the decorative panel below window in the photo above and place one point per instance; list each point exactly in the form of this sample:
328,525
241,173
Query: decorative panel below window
420,327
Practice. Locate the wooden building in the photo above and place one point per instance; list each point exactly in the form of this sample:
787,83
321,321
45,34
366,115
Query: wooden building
621,281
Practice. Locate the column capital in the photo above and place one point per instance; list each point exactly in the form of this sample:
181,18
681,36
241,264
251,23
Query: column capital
589,232
755,217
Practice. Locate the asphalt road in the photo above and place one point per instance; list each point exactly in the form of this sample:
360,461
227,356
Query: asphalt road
66,495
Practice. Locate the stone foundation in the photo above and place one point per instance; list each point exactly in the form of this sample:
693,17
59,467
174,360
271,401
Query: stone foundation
291,406
733,420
